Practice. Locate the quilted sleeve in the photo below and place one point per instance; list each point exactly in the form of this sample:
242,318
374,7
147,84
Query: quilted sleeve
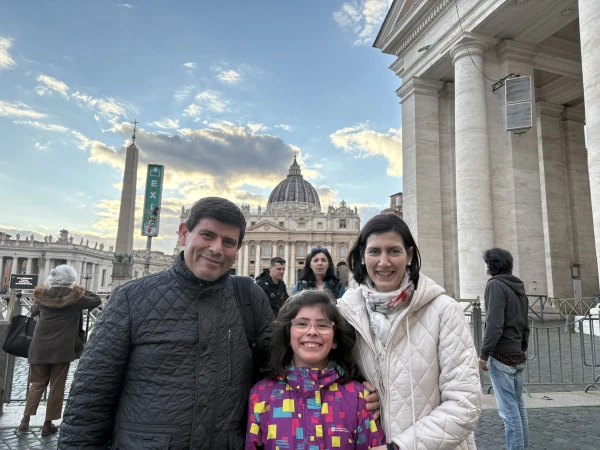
455,418
88,416
264,323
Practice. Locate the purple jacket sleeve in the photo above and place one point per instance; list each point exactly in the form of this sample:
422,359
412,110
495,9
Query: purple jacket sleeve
368,433
254,438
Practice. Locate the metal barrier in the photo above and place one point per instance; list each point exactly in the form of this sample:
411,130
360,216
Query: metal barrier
22,305
563,354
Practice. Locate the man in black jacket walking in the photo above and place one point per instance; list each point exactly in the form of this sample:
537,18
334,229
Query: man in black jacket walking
504,347
271,281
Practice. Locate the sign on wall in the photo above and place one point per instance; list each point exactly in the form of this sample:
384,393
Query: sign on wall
22,281
152,198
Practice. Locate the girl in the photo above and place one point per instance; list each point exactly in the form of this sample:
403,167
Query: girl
309,400
319,274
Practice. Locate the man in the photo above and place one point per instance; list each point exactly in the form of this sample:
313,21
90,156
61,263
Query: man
505,341
168,364
271,282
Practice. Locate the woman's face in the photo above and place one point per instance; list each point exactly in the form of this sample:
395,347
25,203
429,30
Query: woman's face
386,260
311,338
319,265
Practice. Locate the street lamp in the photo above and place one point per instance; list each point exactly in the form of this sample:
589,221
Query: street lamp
86,277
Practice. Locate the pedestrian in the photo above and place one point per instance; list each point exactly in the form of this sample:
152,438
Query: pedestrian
169,363
505,341
413,342
319,273
58,339
309,395
271,281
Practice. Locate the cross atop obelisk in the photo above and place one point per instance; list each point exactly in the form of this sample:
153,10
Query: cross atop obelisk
135,122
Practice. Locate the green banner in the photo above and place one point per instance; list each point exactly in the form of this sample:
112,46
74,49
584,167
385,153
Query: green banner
152,198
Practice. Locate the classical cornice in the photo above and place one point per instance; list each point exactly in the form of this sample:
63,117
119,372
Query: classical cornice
422,26
419,86
549,109
576,114
516,51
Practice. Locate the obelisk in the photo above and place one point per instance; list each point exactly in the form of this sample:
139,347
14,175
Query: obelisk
123,263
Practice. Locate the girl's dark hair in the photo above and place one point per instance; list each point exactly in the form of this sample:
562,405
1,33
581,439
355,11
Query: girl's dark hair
498,261
344,335
382,223
308,275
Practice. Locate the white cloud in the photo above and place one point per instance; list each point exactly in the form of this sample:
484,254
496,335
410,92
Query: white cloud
183,93
107,107
284,127
166,124
368,142
51,84
18,109
363,18
125,5
6,61
84,142
230,77
41,146
189,65
257,127
206,101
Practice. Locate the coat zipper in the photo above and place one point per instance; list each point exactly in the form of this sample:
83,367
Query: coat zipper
229,361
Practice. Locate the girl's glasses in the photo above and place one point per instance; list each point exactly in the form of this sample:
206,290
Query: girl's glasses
321,325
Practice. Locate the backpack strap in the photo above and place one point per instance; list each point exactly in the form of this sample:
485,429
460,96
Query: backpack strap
242,286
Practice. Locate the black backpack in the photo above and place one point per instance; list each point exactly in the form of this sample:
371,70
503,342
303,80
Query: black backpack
242,286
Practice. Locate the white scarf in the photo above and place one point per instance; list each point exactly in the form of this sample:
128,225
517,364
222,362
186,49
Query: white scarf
385,307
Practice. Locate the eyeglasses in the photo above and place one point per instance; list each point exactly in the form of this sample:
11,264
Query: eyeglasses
321,325
317,248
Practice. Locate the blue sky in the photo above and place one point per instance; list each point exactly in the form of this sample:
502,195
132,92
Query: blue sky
225,92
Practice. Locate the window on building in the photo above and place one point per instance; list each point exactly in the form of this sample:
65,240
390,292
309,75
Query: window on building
267,250
301,224
281,224
103,278
398,201
302,250
252,224
253,251
343,251
319,225
280,251
342,223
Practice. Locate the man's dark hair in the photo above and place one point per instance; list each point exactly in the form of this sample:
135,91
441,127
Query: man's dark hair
344,335
219,209
308,275
498,261
276,260
382,223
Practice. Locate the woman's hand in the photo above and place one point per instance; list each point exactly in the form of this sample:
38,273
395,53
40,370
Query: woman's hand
372,400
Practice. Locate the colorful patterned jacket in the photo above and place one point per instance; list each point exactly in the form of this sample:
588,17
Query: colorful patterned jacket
309,410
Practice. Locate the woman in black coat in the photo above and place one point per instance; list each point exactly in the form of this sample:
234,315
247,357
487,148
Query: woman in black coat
58,339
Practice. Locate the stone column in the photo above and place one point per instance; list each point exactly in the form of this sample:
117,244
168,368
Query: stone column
473,195
14,267
293,264
28,268
245,270
421,162
286,256
589,18
257,260
555,194
579,200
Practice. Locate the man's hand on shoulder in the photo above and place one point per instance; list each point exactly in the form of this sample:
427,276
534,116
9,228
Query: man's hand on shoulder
372,399
483,365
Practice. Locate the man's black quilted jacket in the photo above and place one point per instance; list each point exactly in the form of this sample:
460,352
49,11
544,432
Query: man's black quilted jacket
167,366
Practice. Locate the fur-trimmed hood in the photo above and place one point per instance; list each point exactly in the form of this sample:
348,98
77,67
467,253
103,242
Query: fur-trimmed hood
58,296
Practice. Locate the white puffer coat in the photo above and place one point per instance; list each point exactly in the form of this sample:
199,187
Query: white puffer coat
427,375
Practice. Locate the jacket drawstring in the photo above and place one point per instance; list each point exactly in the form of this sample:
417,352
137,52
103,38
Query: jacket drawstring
412,390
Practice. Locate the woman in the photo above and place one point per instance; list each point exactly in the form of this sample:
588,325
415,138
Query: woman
413,342
319,273
57,340
309,394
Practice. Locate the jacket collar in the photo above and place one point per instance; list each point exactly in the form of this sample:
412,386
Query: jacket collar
180,271
57,296
306,381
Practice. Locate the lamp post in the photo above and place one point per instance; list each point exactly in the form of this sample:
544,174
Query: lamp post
86,277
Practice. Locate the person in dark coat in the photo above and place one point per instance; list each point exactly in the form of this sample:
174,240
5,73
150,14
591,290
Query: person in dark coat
271,281
57,340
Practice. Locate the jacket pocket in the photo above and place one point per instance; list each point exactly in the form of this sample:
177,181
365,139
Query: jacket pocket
131,440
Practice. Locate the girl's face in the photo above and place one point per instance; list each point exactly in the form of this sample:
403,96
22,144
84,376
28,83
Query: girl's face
319,265
311,338
386,260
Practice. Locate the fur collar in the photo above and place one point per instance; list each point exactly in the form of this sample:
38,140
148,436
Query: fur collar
57,296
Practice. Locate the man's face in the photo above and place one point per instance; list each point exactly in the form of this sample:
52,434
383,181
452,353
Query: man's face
210,248
277,271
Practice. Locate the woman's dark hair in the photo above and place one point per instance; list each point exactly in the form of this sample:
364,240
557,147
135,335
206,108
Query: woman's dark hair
307,273
344,335
379,224
498,261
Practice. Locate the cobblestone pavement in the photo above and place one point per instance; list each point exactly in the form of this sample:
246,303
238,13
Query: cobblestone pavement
549,429
19,390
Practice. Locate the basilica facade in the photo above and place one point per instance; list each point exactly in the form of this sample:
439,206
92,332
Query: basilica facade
292,224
